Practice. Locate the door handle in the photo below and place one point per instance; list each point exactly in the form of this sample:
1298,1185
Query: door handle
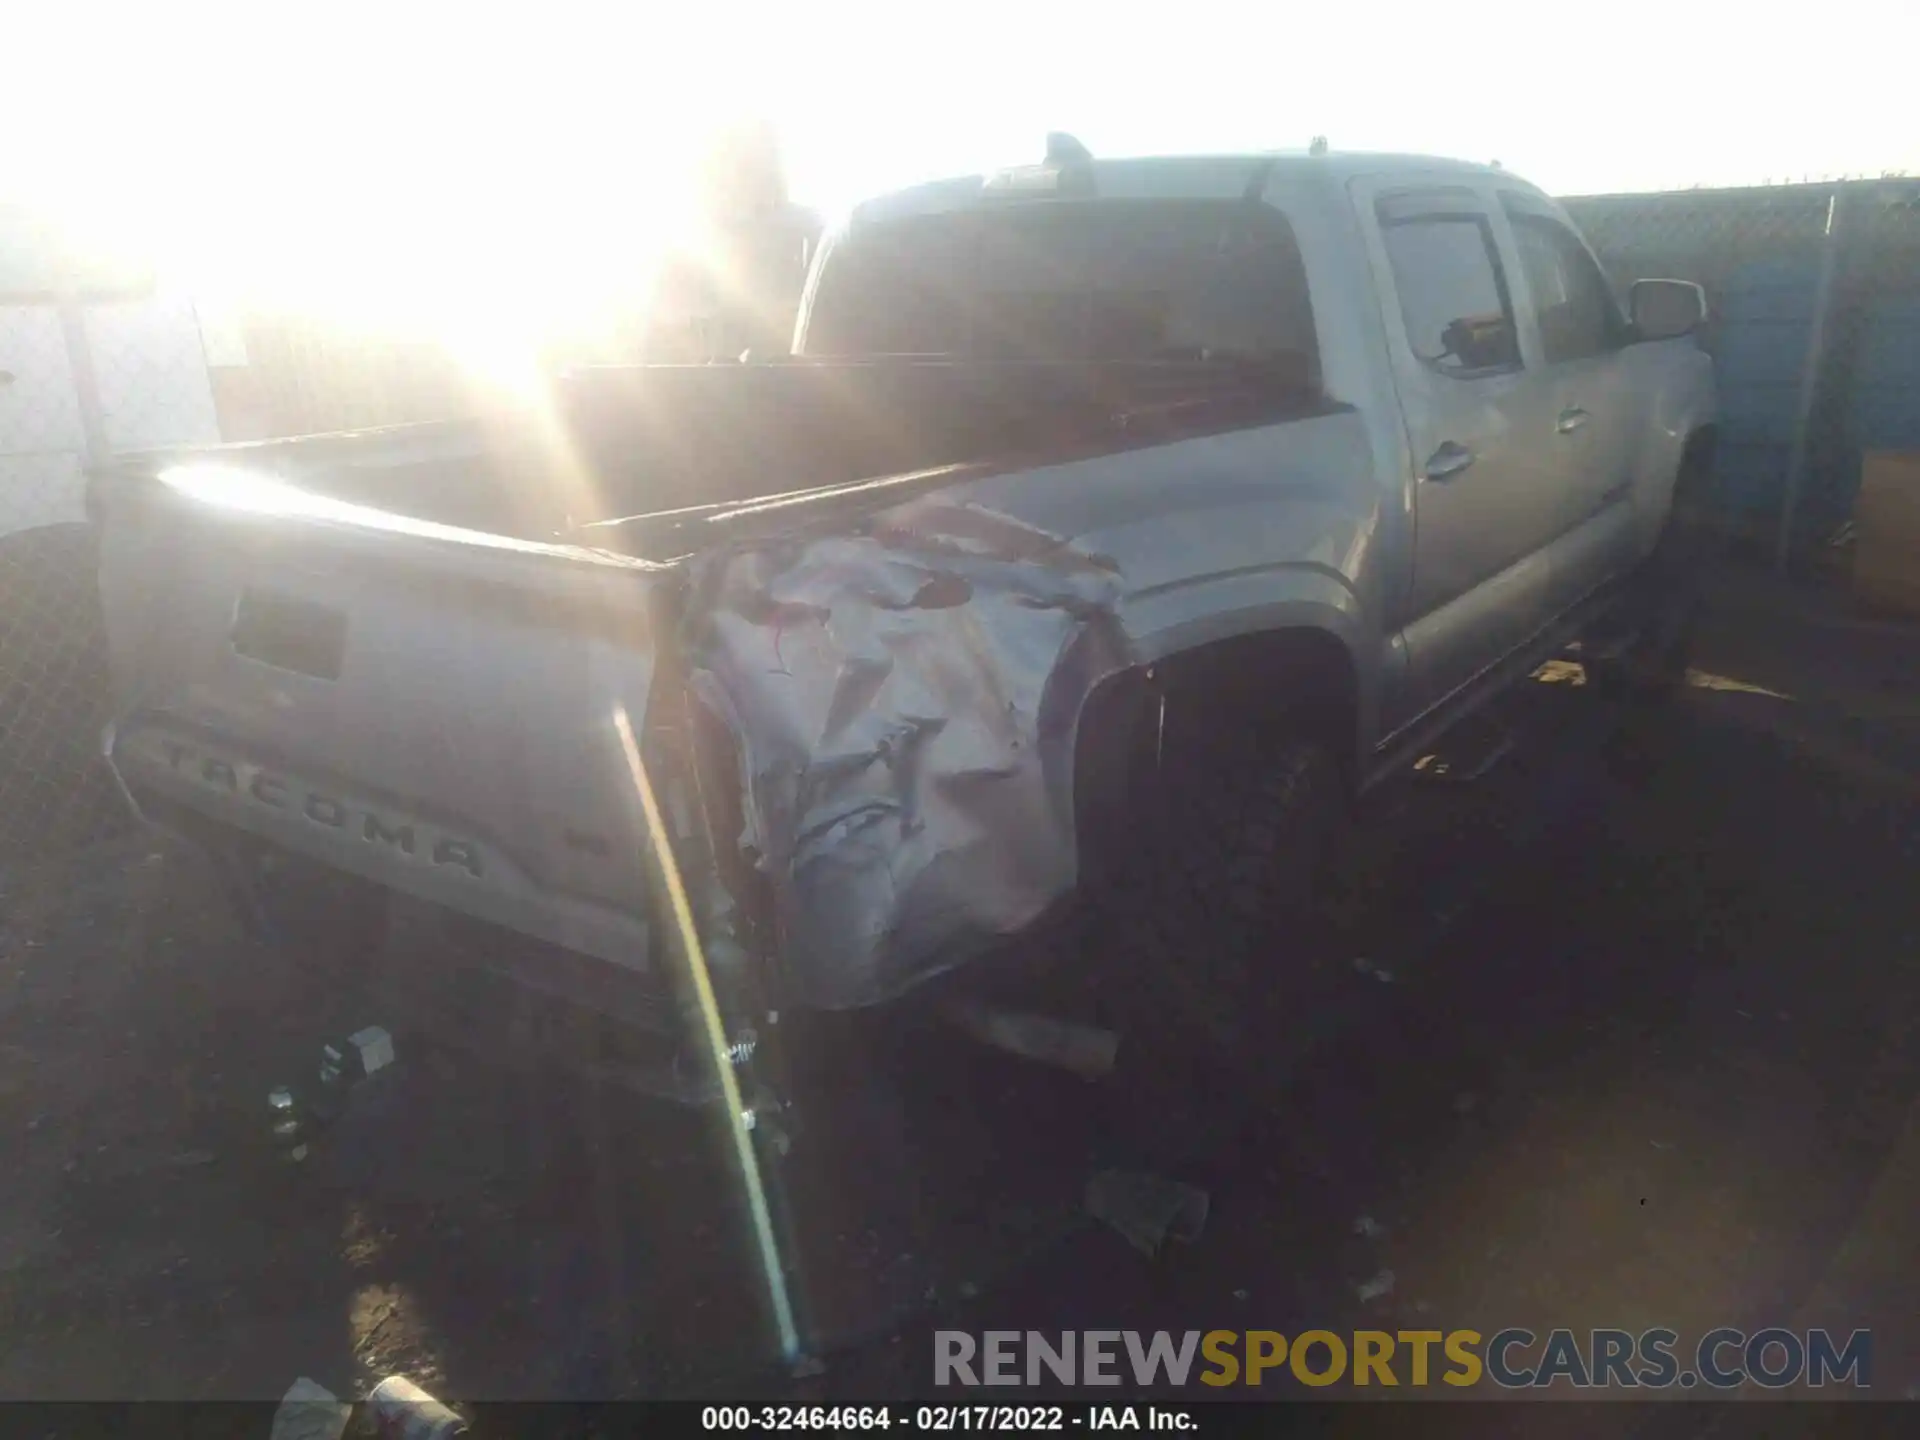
1571,419
1448,461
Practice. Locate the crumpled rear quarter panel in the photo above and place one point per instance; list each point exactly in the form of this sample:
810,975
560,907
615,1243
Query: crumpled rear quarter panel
904,698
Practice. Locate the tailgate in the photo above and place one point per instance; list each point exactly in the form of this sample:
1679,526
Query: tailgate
431,708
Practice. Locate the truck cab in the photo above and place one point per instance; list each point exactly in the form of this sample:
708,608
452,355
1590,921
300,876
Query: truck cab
1524,429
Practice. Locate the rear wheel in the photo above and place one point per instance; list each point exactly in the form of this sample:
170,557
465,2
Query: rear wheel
1220,910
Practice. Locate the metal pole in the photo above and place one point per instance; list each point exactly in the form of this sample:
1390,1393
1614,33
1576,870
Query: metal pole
1809,382
86,383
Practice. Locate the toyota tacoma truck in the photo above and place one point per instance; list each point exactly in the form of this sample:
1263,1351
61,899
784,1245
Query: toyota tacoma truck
1112,527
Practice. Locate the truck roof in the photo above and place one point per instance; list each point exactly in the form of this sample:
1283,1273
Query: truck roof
1194,177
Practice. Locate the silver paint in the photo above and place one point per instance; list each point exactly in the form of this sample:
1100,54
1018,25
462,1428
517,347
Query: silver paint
905,679
888,690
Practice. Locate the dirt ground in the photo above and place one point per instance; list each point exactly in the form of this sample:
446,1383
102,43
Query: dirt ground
1625,1036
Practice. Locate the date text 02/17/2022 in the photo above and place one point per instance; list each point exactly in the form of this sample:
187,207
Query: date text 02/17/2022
938,1418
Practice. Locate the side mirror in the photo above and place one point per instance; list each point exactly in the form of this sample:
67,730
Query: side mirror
1666,309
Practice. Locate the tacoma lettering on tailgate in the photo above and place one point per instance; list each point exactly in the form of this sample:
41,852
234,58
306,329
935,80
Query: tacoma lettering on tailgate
354,820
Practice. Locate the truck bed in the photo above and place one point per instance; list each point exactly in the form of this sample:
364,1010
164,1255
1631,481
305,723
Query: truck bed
416,655
633,442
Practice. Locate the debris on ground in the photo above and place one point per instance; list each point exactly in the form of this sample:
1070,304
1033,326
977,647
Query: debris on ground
395,1409
1085,1050
310,1411
401,1410
297,1113
1147,1209
1371,1290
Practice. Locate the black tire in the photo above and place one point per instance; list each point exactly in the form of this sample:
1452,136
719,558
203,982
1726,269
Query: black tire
1654,666
1223,906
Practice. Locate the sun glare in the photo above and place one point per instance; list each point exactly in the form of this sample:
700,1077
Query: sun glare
503,190
507,179
499,272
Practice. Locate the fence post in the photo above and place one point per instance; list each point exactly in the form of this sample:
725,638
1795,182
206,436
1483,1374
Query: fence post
1810,367
86,382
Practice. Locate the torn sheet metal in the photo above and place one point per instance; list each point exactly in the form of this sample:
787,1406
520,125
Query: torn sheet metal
905,699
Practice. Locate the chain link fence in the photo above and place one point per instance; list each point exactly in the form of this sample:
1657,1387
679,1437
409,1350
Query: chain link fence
81,376
1814,299
1814,292
54,792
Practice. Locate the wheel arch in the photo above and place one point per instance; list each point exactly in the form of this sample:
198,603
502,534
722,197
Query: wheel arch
1307,674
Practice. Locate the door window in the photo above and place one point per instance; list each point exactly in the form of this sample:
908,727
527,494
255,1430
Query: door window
1453,294
1570,296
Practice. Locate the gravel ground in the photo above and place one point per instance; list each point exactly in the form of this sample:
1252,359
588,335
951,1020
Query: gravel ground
1633,1042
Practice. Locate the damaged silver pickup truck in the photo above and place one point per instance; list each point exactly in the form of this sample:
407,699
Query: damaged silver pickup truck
1109,520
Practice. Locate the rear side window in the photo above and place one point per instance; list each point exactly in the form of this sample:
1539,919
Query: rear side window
1570,296
1072,280
1453,295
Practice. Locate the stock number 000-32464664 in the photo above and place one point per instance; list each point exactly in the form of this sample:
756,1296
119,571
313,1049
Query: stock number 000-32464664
880,1417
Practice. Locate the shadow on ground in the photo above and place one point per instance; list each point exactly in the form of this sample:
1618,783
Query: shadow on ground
1633,1043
